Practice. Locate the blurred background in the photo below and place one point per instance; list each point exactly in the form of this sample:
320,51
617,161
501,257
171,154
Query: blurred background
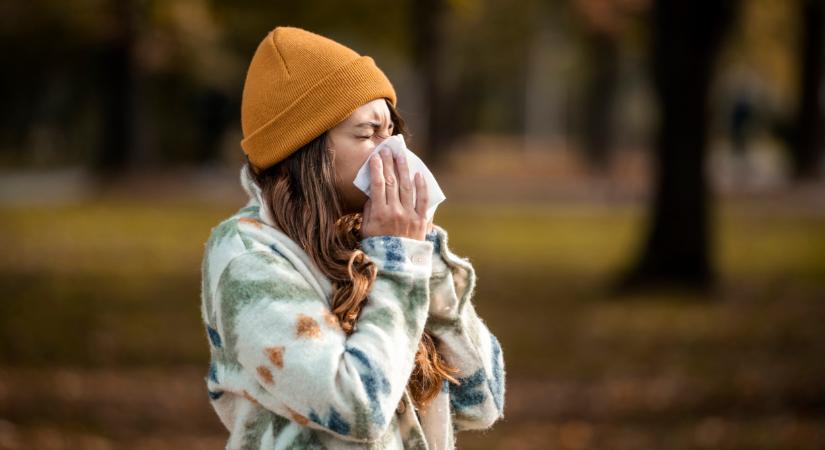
639,184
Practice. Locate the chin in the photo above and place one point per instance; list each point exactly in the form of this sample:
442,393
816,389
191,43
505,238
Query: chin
352,209
357,205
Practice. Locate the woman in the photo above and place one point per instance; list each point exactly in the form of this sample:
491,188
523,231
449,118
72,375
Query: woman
334,320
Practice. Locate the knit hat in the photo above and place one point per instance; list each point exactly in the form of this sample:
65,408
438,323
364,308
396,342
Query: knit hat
299,85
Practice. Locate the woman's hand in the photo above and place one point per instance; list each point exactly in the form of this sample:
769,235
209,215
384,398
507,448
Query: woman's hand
391,210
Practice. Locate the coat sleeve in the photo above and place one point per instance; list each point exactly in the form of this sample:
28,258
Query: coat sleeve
465,341
285,337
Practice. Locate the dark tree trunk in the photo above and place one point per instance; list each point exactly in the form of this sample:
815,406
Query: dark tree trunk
601,95
116,68
427,30
807,145
686,39
214,112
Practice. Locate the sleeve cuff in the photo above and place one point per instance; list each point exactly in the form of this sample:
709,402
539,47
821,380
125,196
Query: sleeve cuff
435,238
440,267
452,280
400,254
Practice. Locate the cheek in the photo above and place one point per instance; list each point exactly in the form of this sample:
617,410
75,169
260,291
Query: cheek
350,158
363,154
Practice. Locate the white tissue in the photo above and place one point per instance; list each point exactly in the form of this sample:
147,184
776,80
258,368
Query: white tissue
396,145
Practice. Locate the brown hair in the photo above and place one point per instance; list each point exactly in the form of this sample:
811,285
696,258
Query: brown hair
306,206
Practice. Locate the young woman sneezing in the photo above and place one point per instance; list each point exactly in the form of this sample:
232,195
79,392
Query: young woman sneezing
335,319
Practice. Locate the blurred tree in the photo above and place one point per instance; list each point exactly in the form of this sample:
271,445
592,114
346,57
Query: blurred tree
470,58
119,84
426,23
686,39
806,145
48,85
489,48
603,22
600,100
116,69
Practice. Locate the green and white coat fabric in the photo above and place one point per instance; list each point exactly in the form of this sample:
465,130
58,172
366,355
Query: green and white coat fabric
284,375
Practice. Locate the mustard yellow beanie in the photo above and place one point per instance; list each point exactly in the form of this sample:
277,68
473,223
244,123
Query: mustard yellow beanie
299,85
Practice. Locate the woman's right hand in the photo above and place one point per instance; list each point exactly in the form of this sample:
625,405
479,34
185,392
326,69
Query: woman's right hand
391,209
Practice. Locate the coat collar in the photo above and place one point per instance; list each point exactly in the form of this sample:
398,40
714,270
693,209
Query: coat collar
256,196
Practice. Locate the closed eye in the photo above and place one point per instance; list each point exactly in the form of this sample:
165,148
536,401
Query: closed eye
376,126
370,137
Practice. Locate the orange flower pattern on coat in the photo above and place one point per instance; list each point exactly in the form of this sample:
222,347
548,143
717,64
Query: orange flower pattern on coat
265,374
297,417
307,327
276,355
250,221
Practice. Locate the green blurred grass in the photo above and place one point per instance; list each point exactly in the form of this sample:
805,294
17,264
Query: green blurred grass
117,283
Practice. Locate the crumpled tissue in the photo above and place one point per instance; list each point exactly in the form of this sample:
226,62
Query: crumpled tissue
396,145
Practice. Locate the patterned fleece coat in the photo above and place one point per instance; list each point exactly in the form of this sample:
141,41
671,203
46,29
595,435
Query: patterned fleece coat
284,375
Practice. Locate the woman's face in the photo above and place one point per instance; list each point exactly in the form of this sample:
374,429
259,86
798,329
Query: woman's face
351,143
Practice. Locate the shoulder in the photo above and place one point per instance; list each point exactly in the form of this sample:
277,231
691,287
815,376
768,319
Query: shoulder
264,273
241,239
239,232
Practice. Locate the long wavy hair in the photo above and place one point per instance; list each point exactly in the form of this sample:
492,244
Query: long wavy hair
307,207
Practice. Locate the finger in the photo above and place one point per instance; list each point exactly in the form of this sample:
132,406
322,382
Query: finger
390,178
405,184
377,190
422,196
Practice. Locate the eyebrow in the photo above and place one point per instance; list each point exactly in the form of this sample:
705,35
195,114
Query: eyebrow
372,124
